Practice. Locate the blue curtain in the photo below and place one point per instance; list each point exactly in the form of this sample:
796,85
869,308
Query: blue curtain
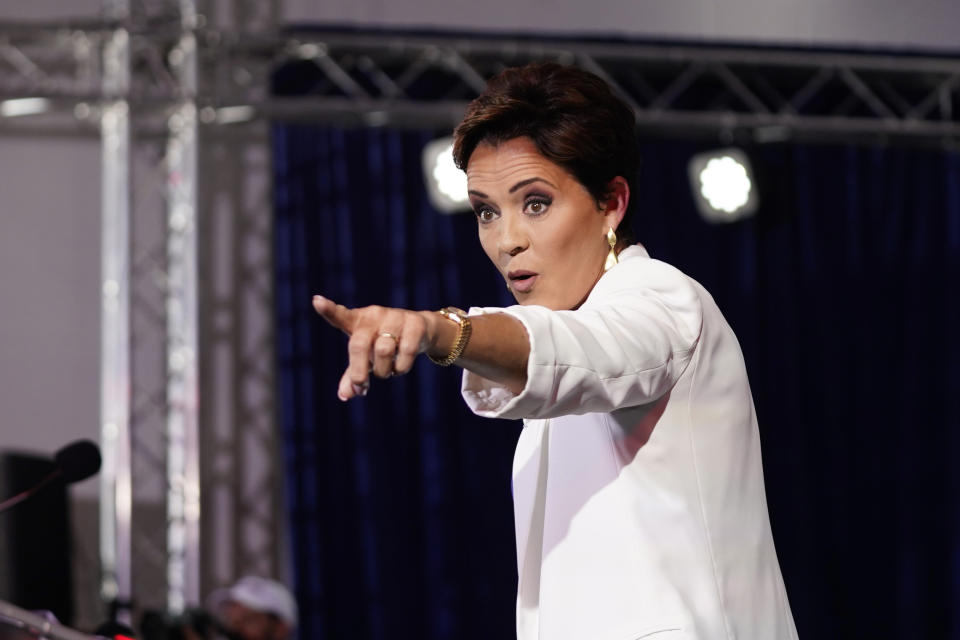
843,292
400,502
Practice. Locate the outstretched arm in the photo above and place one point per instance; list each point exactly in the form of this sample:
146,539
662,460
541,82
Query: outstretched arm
385,341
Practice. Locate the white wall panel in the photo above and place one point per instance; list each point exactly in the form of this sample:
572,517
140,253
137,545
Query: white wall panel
923,24
49,293
919,24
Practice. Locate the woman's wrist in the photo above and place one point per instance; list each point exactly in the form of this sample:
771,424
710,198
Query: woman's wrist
442,334
433,342
460,319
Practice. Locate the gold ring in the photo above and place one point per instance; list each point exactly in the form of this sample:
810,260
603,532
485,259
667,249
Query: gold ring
387,334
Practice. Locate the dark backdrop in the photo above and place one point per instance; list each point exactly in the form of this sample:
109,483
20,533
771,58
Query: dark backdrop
843,292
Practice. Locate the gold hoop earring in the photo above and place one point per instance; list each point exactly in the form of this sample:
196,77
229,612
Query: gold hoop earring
612,256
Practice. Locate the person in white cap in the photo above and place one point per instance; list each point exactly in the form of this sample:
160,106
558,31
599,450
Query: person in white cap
256,609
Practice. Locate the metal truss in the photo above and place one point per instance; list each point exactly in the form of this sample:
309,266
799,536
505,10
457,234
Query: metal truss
116,375
148,554
131,78
240,503
767,94
241,506
387,79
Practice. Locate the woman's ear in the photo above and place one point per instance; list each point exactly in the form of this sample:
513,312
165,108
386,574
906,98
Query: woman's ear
615,205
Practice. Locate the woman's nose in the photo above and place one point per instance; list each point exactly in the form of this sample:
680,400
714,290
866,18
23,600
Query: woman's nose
513,237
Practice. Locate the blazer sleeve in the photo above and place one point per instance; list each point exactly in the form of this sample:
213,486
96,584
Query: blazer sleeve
627,345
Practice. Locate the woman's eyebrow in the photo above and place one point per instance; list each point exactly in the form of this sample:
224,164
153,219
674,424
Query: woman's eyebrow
514,188
524,183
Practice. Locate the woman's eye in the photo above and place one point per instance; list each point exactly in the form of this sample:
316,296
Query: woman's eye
485,214
537,206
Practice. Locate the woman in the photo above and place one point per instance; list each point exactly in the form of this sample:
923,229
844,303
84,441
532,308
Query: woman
638,488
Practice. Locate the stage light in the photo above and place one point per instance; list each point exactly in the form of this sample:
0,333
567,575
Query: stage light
723,185
24,107
446,184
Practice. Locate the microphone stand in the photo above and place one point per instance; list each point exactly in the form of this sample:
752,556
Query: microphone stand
38,625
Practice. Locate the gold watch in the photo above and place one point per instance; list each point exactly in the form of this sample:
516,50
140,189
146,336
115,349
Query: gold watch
463,335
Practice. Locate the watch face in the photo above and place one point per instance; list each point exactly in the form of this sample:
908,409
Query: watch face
454,314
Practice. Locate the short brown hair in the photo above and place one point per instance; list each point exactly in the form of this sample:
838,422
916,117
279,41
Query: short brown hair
572,117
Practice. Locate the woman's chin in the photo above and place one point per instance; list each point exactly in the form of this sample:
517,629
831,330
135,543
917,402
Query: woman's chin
544,299
524,298
534,296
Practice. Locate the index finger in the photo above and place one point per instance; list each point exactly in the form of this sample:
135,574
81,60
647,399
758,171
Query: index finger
337,315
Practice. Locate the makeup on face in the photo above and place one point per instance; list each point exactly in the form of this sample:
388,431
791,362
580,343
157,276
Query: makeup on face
539,226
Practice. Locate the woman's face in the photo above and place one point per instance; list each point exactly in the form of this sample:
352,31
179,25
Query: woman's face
540,226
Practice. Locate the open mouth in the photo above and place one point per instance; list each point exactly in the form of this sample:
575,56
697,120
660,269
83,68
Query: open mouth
522,281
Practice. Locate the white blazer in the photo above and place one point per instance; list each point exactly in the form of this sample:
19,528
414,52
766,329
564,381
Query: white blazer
638,487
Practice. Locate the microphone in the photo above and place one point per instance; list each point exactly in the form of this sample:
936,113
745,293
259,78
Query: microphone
75,462
78,461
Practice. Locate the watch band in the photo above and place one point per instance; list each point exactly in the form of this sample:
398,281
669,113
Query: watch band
463,335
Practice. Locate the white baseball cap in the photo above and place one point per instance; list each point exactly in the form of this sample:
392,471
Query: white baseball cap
259,594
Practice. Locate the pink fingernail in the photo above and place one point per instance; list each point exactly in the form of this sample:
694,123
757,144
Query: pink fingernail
361,389
342,397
